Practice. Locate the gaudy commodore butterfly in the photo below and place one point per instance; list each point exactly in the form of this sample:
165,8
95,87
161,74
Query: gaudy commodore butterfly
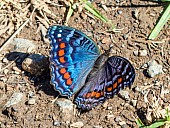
78,68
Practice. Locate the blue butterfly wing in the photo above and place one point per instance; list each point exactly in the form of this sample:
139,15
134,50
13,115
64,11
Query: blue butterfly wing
72,57
115,74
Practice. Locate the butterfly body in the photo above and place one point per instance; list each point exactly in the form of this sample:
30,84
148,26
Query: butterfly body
77,67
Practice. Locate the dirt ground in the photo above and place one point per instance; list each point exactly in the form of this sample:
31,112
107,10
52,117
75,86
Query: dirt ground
147,98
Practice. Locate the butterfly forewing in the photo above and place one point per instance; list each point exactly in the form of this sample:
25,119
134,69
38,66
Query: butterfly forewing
72,57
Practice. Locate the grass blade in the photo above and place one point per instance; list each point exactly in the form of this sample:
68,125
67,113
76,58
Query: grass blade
88,6
160,24
70,12
139,123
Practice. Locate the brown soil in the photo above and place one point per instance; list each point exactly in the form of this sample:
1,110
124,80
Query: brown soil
136,20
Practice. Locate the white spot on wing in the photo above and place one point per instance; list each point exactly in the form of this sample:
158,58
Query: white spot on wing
59,35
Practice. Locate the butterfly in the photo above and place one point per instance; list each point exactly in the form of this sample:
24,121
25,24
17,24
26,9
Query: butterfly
78,68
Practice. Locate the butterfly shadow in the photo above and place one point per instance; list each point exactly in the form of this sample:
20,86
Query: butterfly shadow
141,112
41,81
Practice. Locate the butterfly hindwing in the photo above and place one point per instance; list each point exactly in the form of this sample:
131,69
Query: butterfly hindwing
72,57
116,73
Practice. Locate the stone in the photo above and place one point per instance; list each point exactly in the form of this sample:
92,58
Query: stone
143,52
14,99
124,94
23,45
154,68
136,52
77,125
31,101
110,116
134,103
35,64
140,53
66,107
56,123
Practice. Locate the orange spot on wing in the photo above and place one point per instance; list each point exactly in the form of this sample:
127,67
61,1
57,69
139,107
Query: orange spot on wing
93,94
62,70
109,89
69,81
61,52
88,95
62,45
120,80
115,85
62,60
66,75
98,95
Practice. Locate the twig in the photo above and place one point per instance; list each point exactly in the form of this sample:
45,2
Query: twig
9,39
15,33
9,64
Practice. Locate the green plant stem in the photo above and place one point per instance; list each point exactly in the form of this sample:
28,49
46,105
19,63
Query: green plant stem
165,17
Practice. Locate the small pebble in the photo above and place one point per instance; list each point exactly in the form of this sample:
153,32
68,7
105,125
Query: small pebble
113,51
89,34
135,14
123,45
119,12
166,91
118,119
122,123
6,71
77,125
137,89
15,72
5,60
23,45
136,52
124,95
145,84
143,52
124,126
117,1
164,69
65,104
14,99
31,101
1,58
104,7
66,108
140,53
109,108
144,66
134,103
110,116
97,126
56,123
30,94
16,69
4,79
125,36
154,68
